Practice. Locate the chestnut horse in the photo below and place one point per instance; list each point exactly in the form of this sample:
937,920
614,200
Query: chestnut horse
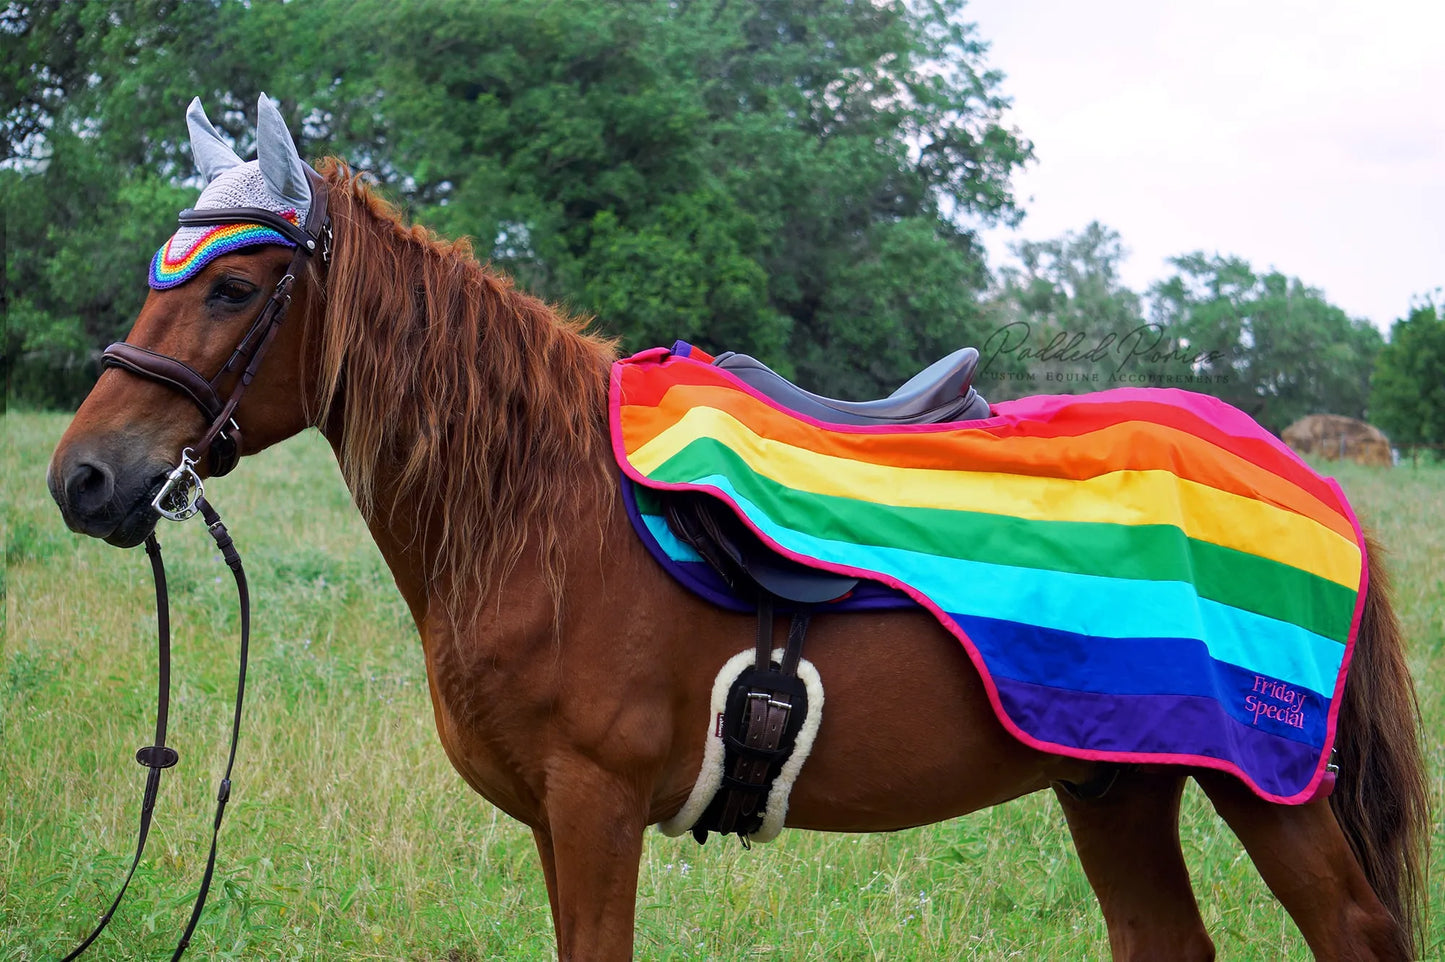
570,676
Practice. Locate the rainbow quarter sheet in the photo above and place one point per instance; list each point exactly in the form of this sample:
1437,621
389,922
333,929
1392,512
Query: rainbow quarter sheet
1139,575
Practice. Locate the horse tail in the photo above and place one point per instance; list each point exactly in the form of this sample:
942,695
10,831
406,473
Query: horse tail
1380,798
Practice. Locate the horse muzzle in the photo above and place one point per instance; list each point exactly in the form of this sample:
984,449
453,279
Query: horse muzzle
106,496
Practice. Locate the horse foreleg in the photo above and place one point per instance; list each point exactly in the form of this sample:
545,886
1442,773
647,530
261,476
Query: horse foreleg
549,873
590,848
1306,861
1128,842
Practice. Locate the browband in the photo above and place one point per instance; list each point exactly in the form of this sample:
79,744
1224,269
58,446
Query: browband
191,217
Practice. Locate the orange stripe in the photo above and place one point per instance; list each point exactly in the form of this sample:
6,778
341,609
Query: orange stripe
1123,446
1088,414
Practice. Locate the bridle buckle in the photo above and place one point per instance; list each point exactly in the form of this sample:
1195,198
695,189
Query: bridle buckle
178,499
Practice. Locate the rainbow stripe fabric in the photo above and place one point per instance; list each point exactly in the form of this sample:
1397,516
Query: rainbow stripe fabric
1139,575
171,267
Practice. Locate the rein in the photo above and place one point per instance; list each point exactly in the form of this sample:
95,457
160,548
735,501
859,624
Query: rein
183,495
158,756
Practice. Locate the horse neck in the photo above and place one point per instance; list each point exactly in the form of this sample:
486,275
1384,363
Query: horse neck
429,544
469,419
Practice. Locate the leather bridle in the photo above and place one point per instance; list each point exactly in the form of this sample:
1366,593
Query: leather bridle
222,438
183,495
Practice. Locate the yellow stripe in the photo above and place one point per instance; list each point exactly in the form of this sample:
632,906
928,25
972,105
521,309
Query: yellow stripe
1120,497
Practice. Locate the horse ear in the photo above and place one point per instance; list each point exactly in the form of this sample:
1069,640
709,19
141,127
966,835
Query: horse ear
281,164
213,155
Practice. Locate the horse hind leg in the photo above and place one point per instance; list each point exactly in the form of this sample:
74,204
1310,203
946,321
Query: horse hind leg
1128,842
1305,859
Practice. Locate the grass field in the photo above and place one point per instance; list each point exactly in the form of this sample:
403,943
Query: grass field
349,836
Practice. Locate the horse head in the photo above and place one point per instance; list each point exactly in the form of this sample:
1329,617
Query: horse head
186,393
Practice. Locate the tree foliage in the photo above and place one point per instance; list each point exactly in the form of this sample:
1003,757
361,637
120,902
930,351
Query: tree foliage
1266,343
89,184
790,179
799,180
1064,306
1407,392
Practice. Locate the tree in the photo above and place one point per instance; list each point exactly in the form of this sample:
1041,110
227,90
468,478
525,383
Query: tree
96,161
1064,316
77,244
48,48
1407,389
791,179
799,180
1268,344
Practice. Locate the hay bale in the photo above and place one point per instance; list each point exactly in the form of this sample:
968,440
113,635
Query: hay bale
1336,437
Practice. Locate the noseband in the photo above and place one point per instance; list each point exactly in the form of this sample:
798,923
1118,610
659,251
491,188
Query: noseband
222,438
183,495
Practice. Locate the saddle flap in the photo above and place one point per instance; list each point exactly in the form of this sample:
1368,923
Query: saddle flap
741,557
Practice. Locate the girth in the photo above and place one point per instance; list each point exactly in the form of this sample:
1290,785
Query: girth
765,710
767,704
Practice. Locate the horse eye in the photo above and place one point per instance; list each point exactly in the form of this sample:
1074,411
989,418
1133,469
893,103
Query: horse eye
233,291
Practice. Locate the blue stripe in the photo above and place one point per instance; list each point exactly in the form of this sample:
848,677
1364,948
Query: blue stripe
699,577
1131,666
677,549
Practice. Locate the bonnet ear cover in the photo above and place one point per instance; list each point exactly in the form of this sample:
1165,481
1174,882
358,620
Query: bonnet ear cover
213,155
281,164
276,182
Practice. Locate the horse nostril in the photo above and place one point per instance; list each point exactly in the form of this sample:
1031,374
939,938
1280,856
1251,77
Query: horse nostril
89,487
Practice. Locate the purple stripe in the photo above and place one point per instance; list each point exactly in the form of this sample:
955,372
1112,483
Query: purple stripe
1124,726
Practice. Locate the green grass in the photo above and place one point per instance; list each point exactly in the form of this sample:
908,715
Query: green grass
349,836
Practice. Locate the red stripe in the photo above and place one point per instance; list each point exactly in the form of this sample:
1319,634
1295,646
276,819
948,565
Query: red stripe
1072,437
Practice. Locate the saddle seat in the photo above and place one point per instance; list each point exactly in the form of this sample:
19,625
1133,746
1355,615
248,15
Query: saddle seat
941,392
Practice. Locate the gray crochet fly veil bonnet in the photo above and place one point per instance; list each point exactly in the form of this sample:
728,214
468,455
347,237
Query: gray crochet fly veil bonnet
275,181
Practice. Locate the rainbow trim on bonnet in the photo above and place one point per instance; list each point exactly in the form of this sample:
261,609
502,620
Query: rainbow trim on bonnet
169,268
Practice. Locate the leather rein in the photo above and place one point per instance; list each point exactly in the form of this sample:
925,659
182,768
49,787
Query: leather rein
183,495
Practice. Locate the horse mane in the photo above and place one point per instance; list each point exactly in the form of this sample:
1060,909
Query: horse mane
475,402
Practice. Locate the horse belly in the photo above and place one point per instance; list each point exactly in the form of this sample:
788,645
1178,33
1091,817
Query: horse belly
908,735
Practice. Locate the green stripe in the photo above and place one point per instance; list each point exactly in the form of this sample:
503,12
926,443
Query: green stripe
1131,552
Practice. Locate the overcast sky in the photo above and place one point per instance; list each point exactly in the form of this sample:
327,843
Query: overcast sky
1304,136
